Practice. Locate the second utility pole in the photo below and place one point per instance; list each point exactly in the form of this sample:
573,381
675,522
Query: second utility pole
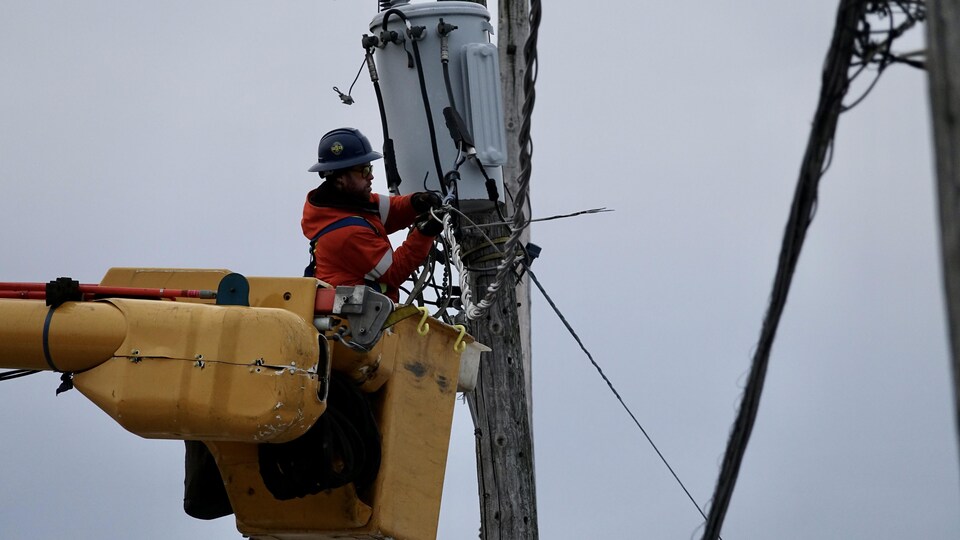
943,23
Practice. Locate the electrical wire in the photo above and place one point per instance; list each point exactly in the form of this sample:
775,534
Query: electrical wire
851,40
537,220
347,98
835,86
573,333
469,308
16,374
879,53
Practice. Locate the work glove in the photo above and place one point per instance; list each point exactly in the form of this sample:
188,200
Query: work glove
429,225
425,201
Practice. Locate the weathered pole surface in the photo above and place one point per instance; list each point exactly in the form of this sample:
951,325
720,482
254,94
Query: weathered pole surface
514,27
500,406
505,475
943,67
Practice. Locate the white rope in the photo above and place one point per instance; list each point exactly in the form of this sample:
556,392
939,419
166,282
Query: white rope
471,310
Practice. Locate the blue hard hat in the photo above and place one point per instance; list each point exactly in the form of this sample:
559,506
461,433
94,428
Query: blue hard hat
343,148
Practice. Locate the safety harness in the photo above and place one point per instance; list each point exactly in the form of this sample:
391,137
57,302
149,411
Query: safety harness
349,221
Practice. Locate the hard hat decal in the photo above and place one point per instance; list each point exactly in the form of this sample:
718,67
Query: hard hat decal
343,148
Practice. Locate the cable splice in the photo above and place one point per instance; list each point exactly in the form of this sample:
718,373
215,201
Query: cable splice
473,310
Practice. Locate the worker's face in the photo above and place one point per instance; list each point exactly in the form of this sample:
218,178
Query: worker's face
358,180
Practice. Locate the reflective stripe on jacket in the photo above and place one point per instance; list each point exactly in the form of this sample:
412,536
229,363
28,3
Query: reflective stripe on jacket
351,255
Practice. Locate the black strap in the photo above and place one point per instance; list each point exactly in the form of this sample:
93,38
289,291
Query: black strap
349,221
46,339
204,495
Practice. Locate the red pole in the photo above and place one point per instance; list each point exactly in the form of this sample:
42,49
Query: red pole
26,295
134,291
22,286
38,291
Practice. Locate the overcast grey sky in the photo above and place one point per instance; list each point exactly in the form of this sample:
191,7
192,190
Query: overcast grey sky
178,134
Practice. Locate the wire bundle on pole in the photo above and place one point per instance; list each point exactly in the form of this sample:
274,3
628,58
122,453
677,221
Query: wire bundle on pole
513,252
850,40
471,310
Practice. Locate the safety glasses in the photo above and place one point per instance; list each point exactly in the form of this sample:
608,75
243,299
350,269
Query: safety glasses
365,170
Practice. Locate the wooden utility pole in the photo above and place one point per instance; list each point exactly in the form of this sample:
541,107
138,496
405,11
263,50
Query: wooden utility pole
500,404
505,474
943,67
513,29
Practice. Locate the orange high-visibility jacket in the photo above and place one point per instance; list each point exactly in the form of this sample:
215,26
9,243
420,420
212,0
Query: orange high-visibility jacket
351,251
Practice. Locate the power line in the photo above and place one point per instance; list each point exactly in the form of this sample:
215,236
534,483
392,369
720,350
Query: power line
576,337
603,375
534,220
851,40
16,374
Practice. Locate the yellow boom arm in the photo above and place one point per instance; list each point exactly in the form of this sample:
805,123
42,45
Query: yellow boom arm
241,378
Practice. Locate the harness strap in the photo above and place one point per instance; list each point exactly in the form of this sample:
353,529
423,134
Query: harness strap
349,221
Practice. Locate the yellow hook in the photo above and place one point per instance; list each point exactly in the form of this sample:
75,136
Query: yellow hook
459,345
423,327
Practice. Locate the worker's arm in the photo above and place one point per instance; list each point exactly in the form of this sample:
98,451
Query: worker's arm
399,212
406,258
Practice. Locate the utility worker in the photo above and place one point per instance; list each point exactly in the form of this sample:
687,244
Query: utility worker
348,225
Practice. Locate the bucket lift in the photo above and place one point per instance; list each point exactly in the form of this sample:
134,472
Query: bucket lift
251,372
